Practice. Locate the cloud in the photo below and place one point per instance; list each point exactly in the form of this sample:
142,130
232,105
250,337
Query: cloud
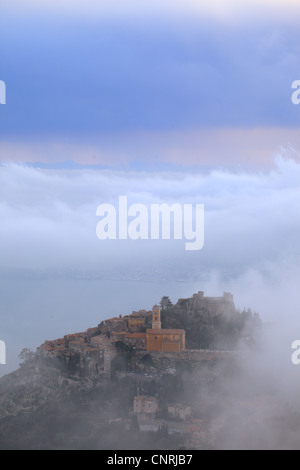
223,10
58,277
84,78
202,148
48,220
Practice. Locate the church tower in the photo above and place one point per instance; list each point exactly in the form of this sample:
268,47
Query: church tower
156,323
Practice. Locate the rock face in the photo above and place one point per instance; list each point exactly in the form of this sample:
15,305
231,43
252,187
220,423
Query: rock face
78,391
44,406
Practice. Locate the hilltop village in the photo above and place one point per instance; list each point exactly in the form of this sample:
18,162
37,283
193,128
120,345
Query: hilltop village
139,332
136,346
98,346
150,376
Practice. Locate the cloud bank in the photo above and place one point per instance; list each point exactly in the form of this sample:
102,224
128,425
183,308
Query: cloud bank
48,218
225,10
58,277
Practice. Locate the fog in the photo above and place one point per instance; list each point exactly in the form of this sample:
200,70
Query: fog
57,277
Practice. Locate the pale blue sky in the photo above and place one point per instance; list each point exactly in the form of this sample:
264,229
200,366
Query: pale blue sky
166,101
85,75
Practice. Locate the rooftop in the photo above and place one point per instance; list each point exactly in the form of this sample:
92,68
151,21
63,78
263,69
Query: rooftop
136,335
164,331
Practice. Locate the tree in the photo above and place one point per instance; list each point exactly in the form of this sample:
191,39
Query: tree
147,359
26,354
165,303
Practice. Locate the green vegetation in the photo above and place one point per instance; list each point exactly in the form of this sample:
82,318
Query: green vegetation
206,330
58,403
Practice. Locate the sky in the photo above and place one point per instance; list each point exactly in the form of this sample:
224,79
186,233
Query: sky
162,101
101,81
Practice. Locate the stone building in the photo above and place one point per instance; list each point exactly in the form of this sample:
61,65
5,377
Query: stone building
163,340
214,305
138,340
117,336
113,324
137,320
177,410
144,404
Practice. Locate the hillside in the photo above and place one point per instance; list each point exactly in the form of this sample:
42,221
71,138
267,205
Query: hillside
79,391
211,322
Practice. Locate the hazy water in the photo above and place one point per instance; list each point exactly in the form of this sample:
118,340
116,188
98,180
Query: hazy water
32,311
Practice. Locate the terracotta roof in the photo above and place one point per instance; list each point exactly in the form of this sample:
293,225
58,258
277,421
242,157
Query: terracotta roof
136,335
53,344
89,348
165,332
91,330
47,347
75,336
138,315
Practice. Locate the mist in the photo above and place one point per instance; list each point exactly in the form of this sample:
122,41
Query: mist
57,277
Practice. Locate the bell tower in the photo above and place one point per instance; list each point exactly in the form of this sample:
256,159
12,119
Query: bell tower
156,323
